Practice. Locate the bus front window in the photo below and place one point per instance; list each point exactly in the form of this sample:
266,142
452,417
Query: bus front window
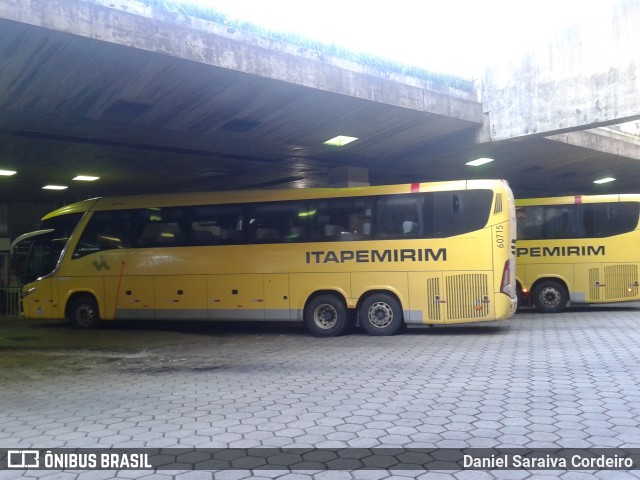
36,254
44,255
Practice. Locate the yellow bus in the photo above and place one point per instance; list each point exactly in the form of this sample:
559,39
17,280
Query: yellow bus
582,249
380,257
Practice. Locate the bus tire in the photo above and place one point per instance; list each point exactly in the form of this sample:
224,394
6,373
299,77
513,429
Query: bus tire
380,314
83,313
519,298
326,316
550,296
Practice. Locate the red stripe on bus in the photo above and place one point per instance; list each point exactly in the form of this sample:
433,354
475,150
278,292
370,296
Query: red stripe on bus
577,199
415,187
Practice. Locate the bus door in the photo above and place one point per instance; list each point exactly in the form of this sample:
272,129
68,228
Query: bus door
235,297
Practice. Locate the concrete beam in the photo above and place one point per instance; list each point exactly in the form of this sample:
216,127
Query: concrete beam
603,140
132,24
585,78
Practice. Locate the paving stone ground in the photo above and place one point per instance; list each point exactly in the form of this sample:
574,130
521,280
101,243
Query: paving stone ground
536,381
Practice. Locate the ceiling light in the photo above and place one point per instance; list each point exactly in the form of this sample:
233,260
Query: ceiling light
479,161
85,178
340,140
55,187
605,180
7,173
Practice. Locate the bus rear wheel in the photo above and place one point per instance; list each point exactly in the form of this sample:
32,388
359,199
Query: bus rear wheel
326,316
83,313
550,296
380,314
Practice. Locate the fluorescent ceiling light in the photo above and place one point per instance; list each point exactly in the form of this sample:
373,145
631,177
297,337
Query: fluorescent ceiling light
85,178
605,180
55,187
479,161
340,140
7,173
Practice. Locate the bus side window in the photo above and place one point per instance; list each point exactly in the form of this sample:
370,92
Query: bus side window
106,230
459,212
614,219
398,217
165,234
216,225
278,222
530,223
342,219
161,227
564,221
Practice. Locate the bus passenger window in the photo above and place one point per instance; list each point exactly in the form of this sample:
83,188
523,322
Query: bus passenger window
342,219
216,225
398,217
459,212
161,227
161,235
615,219
278,222
107,230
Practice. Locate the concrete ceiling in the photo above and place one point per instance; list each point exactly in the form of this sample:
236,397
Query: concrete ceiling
150,123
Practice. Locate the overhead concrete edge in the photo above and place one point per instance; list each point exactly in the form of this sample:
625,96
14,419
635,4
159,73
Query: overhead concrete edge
133,24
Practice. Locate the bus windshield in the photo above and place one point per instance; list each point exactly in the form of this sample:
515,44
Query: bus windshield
36,254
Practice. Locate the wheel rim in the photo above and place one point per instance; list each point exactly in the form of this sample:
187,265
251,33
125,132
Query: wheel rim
550,297
380,315
84,315
325,316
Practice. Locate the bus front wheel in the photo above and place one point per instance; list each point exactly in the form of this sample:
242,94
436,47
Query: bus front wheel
380,314
326,316
550,296
83,313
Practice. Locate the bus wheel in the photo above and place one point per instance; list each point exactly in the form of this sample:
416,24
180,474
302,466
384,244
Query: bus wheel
326,316
519,298
380,314
550,296
84,313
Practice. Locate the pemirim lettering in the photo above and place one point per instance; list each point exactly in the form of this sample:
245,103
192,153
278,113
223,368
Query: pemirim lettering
584,251
378,256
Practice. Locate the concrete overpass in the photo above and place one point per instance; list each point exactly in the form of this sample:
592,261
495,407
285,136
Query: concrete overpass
154,100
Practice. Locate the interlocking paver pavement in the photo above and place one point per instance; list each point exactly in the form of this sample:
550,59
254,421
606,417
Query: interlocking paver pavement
556,381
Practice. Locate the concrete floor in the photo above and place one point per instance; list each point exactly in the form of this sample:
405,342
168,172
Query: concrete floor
536,381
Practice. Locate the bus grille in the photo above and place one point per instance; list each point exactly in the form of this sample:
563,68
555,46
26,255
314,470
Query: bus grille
467,296
498,206
594,281
621,281
433,294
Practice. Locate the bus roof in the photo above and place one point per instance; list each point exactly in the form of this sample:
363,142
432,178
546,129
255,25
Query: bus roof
576,199
77,207
248,196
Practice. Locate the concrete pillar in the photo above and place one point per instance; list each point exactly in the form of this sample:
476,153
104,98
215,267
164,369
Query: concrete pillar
585,77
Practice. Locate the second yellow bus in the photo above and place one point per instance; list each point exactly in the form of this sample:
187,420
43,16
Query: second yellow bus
582,249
